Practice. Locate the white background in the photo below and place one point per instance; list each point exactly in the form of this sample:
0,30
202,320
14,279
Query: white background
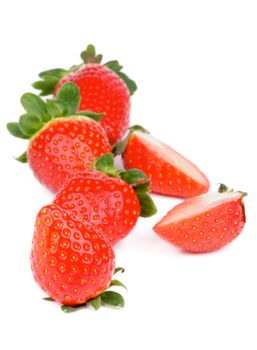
195,63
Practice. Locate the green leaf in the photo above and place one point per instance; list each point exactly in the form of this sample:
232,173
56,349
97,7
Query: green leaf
50,78
89,55
68,309
222,188
15,130
22,158
112,298
148,207
121,146
47,86
119,269
95,303
34,105
106,164
116,67
56,72
133,176
131,85
117,283
139,128
142,187
69,93
30,124
92,115
48,299
56,108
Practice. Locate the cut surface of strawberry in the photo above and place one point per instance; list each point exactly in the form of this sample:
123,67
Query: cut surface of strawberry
170,172
204,223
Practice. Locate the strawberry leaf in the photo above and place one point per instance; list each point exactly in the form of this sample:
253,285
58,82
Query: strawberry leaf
116,67
92,115
133,176
48,299
50,79
147,205
34,105
106,164
56,108
142,187
30,124
119,269
22,158
95,303
69,309
89,55
15,130
117,283
112,298
69,93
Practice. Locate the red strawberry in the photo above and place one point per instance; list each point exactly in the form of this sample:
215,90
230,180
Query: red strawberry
103,89
112,204
70,260
204,223
61,142
170,173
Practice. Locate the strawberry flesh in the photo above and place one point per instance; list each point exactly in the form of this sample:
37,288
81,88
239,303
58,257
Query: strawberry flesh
170,173
204,223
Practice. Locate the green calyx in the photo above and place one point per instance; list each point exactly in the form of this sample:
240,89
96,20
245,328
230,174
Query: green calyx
40,112
108,297
223,188
50,78
120,147
134,177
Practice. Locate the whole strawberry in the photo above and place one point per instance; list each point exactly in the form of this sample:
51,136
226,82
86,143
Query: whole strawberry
110,199
204,223
170,173
63,142
71,261
103,89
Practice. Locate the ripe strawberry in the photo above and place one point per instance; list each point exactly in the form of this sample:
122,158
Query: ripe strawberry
71,261
103,89
111,203
62,141
170,173
204,223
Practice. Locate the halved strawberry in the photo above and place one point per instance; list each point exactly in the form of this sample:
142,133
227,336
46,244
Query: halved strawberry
204,223
170,173
63,142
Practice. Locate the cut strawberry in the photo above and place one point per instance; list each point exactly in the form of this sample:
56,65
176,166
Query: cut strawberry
204,223
170,173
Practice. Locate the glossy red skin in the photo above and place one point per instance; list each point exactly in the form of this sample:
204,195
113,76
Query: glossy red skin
207,231
109,204
70,260
165,179
103,91
66,147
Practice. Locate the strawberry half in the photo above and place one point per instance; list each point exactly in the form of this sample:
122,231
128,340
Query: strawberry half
170,173
104,88
63,142
72,262
204,223
109,198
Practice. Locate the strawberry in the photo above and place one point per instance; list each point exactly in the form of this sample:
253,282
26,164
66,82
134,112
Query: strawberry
62,141
204,223
109,198
72,262
170,173
103,89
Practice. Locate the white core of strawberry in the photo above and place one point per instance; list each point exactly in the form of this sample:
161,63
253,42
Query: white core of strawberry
169,155
198,205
